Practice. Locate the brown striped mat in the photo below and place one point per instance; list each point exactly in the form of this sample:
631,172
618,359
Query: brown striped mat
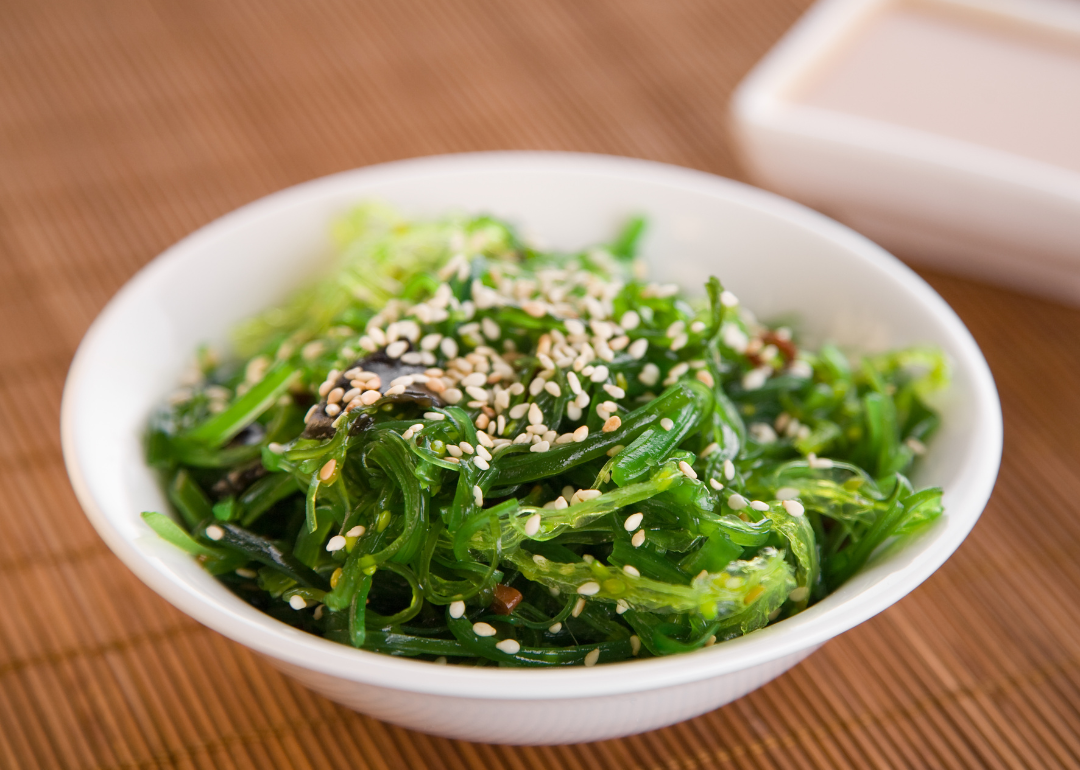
125,124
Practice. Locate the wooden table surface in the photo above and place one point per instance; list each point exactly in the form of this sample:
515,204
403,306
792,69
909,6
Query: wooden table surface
125,124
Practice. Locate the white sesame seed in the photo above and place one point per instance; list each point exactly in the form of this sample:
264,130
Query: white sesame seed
762,433
755,378
434,416
579,605
638,539
573,411
611,424
615,450
737,502
675,329
590,588
540,446
336,543
697,327
369,397
509,646
553,388
485,442
715,484
582,400
650,374
357,531
631,570
727,299
638,348
483,629
536,415
478,496
729,470
560,503
667,423
555,628
490,328
621,606
455,451
793,507
787,493
633,521
704,376
250,574
592,657
687,469
449,347
297,602
680,341
573,382
328,469
478,394
481,463
574,326
395,349
457,609
599,374
758,505
534,308
214,532
584,495
532,525
536,386
614,391
635,645
581,434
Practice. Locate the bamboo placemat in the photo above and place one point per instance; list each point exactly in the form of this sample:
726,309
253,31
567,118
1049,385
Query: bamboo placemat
125,124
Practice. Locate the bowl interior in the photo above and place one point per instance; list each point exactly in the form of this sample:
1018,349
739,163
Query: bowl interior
780,258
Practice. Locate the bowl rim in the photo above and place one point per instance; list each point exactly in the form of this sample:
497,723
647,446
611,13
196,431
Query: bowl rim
800,634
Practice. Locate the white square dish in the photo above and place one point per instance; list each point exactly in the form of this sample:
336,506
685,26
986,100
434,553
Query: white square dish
947,130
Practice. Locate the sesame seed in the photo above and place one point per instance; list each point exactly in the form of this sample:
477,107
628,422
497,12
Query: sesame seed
715,484
395,349
532,525
509,646
250,574
336,543
599,374
334,396
581,434
434,416
680,342
704,376
540,446
574,383
631,570
650,374
592,657
534,308
615,450
638,348
536,415
614,391
536,386
357,531
737,502
481,463
449,347
687,469
638,539
787,493
633,521
328,469
793,507
275,447
573,411
697,327
333,410
466,447
755,378
635,644
579,605
611,424
297,602
589,589
369,397
478,496
574,326
560,503
799,594
214,532
455,451
553,388
491,329
555,628
729,470
457,609
621,606
727,299
483,629
478,394
667,423
758,505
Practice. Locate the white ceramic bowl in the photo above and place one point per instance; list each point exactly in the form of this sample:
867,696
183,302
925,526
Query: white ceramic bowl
776,255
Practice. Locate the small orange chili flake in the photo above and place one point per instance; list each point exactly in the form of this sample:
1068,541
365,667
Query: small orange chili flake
506,598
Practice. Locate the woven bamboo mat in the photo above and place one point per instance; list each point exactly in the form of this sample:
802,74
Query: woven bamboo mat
125,124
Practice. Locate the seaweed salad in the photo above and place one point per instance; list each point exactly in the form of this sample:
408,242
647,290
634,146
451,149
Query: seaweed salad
457,447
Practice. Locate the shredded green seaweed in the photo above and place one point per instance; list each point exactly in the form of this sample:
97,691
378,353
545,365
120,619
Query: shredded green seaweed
457,447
